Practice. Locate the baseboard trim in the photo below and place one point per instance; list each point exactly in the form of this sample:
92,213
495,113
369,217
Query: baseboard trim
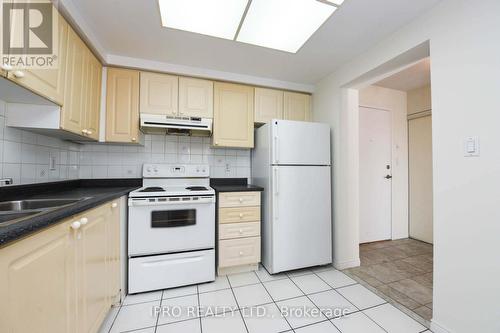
346,264
437,328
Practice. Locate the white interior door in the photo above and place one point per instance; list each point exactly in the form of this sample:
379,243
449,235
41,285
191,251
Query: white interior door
374,176
420,173
302,224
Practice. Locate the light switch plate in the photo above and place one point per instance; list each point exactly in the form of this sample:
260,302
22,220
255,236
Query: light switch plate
471,146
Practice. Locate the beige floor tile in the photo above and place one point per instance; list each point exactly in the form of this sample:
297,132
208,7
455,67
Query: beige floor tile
398,297
424,312
413,290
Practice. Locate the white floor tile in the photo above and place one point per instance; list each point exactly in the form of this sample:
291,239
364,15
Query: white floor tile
393,320
145,330
142,298
188,326
178,309
331,303
135,317
264,275
220,283
217,302
300,312
335,278
360,296
323,268
243,279
323,327
310,283
251,295
357,323
271,322
282,289
299,272
181,291
230,322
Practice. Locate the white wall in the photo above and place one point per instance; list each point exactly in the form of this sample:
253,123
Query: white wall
465,71
394,101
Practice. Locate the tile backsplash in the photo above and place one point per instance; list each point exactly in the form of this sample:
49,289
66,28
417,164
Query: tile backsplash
114,161
26,157
32,158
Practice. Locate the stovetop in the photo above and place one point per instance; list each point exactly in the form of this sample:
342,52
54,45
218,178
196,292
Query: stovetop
172,190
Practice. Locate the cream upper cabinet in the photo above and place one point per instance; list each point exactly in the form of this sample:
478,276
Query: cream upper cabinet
37,276
233,115
297,106
122,105
268,105
93,96
159,94
48,83
73,111
196,98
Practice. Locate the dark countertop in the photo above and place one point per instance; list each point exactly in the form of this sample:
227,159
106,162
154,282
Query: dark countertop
96,192
233,185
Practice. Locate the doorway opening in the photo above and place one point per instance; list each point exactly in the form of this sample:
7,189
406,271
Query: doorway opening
395,188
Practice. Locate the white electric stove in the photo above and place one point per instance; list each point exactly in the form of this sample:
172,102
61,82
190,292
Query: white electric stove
171,228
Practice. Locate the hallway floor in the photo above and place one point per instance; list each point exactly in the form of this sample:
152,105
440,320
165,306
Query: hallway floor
400,270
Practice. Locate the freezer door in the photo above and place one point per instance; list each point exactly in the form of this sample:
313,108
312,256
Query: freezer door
300,143
301,217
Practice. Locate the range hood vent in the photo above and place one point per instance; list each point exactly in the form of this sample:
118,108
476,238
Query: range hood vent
161,124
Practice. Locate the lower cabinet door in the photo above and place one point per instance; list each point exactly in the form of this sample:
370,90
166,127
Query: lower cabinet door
241,251
37,283
93,294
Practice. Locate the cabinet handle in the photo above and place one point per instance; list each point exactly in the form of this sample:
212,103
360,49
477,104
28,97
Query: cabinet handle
114,205
75,225
89,132
241,215
241,253
6,67
241,231
241,199
84,131
84,221
19,74
134,139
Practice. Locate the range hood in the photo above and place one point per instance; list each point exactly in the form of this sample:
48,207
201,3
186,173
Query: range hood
161,124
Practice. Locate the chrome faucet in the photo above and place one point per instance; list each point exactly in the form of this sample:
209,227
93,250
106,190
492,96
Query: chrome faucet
5,181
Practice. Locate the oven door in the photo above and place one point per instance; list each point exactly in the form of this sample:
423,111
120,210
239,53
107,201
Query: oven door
170,227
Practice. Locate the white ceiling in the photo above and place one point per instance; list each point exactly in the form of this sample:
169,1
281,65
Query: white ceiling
132,28
413,77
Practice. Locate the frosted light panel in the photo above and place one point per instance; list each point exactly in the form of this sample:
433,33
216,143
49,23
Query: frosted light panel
283,24
219,18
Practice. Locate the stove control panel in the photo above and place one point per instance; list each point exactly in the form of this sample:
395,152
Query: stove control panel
175,171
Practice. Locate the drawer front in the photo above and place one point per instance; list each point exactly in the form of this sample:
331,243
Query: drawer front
239,214
238,199
242,251
239,230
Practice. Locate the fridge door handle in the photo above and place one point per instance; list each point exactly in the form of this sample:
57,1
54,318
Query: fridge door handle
276,151
276,192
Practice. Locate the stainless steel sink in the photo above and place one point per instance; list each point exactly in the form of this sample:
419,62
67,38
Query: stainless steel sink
23,205
18,210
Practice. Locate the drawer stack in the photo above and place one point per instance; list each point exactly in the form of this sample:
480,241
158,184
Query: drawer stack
239,232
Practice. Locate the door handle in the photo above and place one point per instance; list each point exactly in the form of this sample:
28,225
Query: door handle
388,177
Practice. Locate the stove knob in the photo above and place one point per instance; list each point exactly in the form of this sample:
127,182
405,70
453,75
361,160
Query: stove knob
156,170
148,169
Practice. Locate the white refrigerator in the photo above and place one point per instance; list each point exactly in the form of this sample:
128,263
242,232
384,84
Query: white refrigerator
291,160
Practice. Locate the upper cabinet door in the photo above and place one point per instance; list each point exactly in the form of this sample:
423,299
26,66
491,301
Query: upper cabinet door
196,98
48,83
233,115
268,105
73,111
297,106
122,105
93,106
159,94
